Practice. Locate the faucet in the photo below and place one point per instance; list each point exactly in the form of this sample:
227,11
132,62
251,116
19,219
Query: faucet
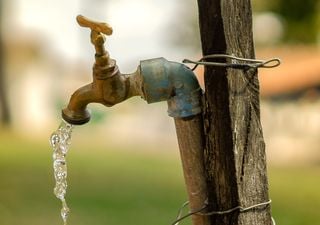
154,80
108,87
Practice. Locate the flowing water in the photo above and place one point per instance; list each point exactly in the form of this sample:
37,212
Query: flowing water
60,141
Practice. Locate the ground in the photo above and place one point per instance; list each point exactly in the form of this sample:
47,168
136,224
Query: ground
118,186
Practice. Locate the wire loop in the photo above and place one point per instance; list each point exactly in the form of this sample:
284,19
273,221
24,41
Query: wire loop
198,211
236,62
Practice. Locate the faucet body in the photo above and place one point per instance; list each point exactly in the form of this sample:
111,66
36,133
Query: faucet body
154,80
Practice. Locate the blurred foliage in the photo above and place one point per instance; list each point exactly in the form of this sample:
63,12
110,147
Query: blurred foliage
295,195
300,18
5,116
301,21
112,186
185,26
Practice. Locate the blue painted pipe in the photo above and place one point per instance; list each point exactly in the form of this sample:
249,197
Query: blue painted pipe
173,82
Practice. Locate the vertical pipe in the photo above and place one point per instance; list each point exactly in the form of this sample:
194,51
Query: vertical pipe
176,83
190,138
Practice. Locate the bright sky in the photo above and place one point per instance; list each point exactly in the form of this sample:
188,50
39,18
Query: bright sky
138,26
54,19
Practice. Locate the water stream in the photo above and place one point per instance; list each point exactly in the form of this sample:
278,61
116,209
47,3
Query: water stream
60,141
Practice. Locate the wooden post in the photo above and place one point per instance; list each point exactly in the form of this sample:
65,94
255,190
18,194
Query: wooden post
235,160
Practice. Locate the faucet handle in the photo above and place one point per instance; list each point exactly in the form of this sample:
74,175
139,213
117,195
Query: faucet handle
99,27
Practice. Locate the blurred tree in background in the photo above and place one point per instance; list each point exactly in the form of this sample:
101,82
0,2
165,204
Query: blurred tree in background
186,28
300,19
4,107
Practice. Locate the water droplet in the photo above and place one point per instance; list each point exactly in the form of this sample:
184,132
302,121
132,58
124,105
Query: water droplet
60,175
58,163
64,149
65,213
54,140
59,193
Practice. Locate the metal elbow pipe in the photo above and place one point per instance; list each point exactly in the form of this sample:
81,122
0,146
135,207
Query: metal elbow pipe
173,82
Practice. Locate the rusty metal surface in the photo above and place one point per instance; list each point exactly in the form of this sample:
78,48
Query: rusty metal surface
191,145
108,87
173,82
99,27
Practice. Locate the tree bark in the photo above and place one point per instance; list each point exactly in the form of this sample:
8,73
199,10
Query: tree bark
4,106
235,160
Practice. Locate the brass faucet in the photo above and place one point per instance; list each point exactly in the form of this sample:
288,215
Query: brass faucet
155,80
108,87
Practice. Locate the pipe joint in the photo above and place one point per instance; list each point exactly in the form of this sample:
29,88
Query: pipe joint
173,82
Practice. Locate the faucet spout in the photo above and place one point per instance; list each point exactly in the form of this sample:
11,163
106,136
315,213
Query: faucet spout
76,112
108,91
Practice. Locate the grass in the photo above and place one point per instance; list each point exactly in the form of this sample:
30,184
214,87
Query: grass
121,187
296,195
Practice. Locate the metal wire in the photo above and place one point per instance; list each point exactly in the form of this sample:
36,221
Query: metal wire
180,218
198,211
236,62
273,221
240,208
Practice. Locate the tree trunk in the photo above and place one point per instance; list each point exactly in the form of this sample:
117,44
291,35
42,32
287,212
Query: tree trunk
235,160
4,107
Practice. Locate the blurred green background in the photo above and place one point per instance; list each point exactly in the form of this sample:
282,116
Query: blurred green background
124,167
117,186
